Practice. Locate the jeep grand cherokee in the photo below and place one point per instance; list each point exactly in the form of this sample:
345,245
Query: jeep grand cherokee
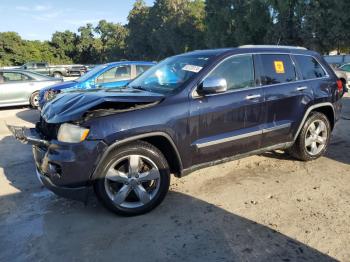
188,112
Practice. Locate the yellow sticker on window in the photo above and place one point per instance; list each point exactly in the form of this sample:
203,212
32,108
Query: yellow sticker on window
279,67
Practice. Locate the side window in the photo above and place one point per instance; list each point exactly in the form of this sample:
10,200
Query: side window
41,65
9,77
115,74
238,72
276,69
141,68
309,67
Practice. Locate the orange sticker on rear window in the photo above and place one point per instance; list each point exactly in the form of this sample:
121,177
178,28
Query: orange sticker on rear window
279,67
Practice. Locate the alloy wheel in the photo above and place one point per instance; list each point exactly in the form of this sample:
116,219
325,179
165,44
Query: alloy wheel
132,181
316,137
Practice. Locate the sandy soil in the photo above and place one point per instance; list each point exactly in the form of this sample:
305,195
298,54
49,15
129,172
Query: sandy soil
263,208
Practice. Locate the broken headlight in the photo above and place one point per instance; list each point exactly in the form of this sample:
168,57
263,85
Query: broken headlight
50,94
72,133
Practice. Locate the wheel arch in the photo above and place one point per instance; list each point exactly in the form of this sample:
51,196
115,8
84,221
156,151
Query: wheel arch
325,108
160,140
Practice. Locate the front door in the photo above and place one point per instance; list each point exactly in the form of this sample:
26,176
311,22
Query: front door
229,123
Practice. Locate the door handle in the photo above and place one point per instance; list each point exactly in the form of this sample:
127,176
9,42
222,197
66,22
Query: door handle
251,97
301,88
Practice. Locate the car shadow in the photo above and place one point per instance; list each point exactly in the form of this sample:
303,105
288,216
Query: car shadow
35,224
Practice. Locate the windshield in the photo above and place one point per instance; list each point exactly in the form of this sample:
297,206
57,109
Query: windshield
90,73
170,74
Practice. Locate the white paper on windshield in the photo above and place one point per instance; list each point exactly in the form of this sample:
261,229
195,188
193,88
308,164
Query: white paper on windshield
192,68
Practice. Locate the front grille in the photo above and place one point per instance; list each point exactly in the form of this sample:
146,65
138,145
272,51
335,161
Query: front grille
47,130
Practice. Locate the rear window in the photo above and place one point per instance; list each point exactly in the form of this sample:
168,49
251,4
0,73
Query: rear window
276,69
309,67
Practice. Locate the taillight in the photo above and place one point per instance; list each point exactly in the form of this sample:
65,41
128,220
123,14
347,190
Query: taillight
340,86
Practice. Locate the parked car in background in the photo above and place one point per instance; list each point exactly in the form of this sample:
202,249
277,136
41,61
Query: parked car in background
77,70
111,75
188,112
342,75
57,71
21,87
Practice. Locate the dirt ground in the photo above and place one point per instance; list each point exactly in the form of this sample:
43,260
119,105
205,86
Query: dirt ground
263,208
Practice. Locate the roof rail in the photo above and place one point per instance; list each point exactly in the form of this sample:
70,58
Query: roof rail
273,46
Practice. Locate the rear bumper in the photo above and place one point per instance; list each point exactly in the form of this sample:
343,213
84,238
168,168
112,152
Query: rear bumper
64,168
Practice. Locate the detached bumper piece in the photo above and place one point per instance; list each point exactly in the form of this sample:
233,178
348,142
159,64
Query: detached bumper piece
27,135
46,170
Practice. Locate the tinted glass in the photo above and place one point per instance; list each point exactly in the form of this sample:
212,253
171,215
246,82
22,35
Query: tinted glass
277,69
309,67
118,73
238,72
142,68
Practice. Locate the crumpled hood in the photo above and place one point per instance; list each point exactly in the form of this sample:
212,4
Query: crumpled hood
71,106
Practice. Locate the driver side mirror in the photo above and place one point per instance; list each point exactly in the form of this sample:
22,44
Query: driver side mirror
212,85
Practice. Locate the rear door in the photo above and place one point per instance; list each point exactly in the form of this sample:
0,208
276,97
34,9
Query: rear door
229,123
286,97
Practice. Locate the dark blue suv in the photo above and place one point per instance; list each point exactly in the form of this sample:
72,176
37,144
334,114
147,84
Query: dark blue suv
188,112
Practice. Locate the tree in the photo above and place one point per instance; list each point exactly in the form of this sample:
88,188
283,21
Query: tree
112,37
177,26
236,22
287,16
88,47
64,44
138,40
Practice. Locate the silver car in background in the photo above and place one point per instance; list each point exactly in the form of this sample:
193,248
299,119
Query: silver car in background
20,87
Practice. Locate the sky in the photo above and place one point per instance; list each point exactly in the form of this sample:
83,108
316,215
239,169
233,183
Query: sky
38,20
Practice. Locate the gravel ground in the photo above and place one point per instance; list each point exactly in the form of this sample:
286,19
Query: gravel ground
262,208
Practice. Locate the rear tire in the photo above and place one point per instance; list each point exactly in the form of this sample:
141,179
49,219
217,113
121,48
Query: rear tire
134,179
34,100
313,139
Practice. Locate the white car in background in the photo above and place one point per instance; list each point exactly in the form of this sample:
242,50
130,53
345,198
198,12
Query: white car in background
20,87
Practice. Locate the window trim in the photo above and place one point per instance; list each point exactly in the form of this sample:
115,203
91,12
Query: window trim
195,95
316,78
296,69
111,68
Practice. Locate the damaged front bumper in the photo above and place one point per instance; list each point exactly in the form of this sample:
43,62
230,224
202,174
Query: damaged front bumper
63,168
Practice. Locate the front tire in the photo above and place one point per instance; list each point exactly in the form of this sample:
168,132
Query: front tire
313,139
134,179
34,100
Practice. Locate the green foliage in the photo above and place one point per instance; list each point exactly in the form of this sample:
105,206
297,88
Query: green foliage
174,26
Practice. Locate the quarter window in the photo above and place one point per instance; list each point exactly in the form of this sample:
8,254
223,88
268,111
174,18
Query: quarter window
277,69
309,67
238,72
